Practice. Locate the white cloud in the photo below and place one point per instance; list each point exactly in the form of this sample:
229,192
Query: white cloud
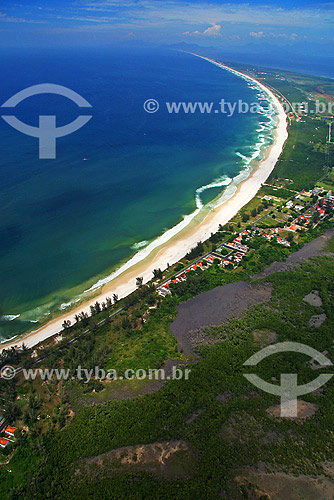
12,19
292,36
203,19
214,30
283,36
210,13
257,34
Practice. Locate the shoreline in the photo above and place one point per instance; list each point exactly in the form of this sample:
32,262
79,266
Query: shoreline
169,248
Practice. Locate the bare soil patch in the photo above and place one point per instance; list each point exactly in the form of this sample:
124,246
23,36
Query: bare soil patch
213,308
309,250
265,337
317,320
280,486
304,410
313,298
169,459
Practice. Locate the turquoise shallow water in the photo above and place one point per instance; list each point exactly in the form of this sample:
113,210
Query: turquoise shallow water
65,223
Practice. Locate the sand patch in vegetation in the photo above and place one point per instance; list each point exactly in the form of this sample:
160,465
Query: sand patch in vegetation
169,459
313,298
317,320
304,410
265,337
280,486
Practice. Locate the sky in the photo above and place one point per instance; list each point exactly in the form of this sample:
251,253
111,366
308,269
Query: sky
304,26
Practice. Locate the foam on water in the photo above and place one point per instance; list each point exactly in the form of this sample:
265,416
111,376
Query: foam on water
65,305
139,245
220,182
9,317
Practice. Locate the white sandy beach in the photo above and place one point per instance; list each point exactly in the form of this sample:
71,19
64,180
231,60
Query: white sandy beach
174,244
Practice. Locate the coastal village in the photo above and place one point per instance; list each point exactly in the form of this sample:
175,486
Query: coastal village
282,223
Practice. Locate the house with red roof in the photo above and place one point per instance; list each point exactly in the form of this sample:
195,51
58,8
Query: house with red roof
3,442
10,430
283,241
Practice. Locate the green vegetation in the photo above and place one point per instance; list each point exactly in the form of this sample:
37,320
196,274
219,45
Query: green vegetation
286,194
327,182
304,159
162,416
330,246
300,160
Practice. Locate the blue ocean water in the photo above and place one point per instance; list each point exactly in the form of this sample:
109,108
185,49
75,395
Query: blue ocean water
117,183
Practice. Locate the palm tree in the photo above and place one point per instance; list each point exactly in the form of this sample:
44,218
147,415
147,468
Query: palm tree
139,282
157,273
